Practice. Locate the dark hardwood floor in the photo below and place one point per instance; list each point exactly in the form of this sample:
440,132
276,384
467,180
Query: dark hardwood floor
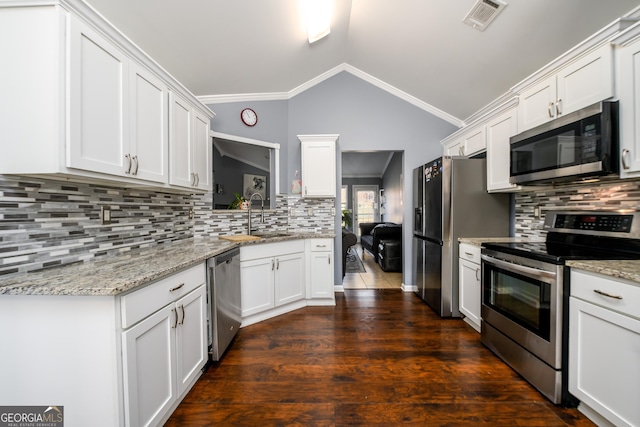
379,357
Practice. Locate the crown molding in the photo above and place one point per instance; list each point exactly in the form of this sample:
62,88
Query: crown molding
280,96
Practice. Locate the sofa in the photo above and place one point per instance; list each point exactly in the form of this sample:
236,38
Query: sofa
348,239
371,233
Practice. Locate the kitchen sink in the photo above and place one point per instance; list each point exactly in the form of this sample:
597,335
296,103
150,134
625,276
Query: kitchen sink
268,235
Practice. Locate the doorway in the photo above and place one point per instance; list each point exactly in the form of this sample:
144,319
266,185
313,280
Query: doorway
366,206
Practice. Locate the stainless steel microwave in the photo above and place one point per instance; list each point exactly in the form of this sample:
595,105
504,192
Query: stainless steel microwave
581,144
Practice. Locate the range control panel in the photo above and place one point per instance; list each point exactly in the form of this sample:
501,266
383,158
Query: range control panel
603,222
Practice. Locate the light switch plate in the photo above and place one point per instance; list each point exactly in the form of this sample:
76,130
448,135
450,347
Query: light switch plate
105,214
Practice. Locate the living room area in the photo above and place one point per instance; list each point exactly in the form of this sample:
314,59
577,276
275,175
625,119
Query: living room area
371,204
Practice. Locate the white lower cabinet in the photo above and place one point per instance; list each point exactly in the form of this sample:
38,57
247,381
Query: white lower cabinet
604,348
164,352
469,279
320,269
272,275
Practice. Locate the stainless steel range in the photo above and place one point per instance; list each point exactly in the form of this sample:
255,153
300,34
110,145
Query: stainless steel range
525,291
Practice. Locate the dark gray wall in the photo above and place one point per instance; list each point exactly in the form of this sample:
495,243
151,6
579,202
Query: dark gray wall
392,185
366,118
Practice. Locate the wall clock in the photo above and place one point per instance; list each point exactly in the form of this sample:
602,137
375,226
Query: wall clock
249,117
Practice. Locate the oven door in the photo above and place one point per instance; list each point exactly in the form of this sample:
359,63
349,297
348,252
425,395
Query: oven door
522,298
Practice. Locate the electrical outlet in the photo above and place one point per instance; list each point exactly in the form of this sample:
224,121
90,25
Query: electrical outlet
536,211
190,213
333,211
105,214
310,211
292,212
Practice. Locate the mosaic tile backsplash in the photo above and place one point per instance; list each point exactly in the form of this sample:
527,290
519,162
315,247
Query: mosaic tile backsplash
608,195
46,223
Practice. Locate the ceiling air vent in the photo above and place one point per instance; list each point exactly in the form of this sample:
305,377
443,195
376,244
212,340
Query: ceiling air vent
483,12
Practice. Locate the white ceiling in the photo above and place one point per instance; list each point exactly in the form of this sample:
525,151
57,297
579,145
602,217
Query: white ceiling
420,47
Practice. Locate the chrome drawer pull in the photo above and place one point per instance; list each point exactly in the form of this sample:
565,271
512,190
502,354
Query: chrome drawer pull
625,153
469,254
604,294
176,288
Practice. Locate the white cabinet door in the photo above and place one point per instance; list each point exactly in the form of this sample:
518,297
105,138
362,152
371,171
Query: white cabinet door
257,281
537,104
320,275
190,147
191,337
499,130
604,372
149,127
180,147
586,81
475,141
98,102
629,95
318,165
470,286
202,151
455,148
289,278
149,368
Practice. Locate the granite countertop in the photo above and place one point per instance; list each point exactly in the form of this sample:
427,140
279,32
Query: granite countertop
113,275
622,269
478,241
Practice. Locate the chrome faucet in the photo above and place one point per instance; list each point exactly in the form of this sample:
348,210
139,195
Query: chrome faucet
261,210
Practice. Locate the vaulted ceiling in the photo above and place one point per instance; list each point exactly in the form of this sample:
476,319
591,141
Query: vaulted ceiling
247,48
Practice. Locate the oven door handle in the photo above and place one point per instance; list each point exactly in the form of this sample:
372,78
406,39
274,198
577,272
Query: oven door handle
534,273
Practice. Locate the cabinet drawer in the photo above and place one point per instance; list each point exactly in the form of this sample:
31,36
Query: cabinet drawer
591,287
470,252
141,303
320,245
268,250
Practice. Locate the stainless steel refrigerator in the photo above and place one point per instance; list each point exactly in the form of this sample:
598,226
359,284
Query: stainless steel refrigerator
450,201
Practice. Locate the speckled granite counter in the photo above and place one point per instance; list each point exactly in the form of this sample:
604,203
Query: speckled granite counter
114,275
622,269
477,241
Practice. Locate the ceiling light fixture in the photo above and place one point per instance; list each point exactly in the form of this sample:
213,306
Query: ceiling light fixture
317,15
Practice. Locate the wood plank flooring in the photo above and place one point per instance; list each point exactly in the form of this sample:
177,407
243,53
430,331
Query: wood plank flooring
378,358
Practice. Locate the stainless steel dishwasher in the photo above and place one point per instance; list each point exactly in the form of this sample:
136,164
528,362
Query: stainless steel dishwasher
223,279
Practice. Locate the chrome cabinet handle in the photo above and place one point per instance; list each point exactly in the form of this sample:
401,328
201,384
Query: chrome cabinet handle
175,314
193,179
469,254
625,153
197,180
604,294
135,171
477,273
551,109
128,168
176,288
273,263
559,106
181,320
277,264
329,259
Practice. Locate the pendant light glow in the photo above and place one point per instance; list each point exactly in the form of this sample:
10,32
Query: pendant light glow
317,15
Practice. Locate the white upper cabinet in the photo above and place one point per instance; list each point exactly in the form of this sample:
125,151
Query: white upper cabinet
499,130
103,105
474,141
99,137
190,146
318,165
580,83
628,88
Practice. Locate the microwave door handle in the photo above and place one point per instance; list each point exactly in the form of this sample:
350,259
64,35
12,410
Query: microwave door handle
534,273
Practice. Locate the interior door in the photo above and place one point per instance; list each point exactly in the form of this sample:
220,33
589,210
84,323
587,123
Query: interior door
366,207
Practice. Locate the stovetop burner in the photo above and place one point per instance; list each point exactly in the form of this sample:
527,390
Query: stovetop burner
581,236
